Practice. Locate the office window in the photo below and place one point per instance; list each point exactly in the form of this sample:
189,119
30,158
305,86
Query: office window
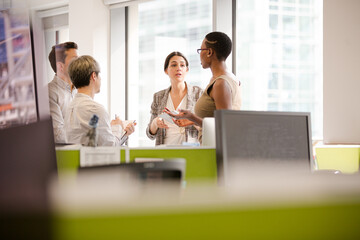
163,27
279,58
273,21
273,80
289,24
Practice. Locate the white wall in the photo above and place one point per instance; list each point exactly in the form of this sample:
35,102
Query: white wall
46,4
117,63
341,71
89,27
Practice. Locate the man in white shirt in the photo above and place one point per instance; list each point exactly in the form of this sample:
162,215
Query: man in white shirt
60,88
85,76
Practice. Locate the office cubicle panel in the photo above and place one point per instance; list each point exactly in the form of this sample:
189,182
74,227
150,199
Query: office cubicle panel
28,161
254,140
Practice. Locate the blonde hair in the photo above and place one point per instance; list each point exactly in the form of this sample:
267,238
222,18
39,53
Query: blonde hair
80,70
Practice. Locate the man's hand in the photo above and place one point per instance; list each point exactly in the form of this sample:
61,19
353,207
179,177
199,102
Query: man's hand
130,128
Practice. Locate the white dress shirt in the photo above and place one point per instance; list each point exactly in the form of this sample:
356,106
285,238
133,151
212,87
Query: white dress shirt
78,115
60,96
175,135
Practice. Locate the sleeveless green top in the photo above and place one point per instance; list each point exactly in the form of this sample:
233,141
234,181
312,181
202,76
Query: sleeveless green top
205,106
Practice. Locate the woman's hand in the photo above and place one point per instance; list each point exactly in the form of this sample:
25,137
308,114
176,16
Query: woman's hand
157,123
183,114
184,118
160,123
183,122
181,119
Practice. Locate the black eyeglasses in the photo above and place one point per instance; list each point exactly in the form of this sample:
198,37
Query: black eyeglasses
200,49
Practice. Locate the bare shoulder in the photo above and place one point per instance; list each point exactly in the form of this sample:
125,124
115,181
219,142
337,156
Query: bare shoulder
227,80
221,83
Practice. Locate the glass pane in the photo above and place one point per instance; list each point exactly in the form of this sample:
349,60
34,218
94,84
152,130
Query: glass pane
273,81
289,82
166,26
305,24
273,21
289,23
279,56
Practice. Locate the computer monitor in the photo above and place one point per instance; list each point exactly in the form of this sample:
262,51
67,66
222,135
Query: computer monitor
259,138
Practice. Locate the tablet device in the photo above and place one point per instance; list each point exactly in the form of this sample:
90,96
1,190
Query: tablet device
166,117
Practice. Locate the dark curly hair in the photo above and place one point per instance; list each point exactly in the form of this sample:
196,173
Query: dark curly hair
220,42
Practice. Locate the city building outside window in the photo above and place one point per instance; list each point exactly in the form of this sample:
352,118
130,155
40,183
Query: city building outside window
279,56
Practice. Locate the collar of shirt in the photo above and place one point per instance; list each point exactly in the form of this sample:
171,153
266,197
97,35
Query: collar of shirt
82,95
62,83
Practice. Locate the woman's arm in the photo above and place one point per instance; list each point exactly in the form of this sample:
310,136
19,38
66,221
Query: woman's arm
152,128
155,122
221,93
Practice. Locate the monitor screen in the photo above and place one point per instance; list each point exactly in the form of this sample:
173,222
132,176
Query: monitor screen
261,139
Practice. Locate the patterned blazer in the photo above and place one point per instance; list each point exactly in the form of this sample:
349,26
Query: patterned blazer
159,103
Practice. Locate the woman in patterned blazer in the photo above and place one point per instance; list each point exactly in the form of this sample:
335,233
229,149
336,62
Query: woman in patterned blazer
180,95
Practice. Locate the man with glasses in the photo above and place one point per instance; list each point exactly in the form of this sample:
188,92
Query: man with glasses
60,88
